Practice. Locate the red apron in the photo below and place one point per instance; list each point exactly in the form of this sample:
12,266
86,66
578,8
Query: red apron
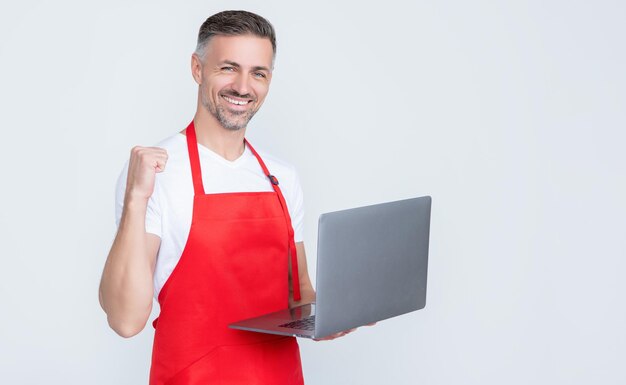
234,266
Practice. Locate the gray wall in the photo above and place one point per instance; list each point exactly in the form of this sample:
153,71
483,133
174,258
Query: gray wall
510,114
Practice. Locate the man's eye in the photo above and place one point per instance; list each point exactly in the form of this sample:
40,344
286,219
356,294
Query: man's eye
259,75
228,69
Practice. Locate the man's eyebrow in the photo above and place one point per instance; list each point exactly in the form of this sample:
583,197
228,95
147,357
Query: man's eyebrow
255,68
261,68
231,63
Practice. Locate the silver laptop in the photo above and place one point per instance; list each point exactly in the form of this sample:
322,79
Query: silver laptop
371,265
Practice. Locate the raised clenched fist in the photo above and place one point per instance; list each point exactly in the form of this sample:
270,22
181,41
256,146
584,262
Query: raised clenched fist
144,163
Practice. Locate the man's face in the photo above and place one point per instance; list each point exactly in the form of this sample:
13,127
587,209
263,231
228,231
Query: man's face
234,78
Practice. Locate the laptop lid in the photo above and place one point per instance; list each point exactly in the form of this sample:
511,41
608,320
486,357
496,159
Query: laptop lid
372,263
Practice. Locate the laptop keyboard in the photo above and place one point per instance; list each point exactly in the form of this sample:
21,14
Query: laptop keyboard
302,324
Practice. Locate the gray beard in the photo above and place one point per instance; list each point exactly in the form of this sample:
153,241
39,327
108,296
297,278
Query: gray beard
222,115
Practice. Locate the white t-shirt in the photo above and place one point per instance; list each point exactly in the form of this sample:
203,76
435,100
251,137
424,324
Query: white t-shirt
170,206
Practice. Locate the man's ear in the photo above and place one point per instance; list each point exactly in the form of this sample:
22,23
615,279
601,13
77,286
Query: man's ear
196,68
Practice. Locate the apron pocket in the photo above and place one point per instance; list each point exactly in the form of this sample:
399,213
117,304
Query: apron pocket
276,361
201,372
272,362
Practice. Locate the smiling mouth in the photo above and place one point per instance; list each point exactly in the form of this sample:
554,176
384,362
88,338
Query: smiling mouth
236,102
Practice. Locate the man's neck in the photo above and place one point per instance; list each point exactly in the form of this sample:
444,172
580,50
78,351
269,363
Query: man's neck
226,143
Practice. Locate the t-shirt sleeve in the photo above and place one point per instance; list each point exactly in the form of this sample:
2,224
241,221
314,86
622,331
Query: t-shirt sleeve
153,212
296,207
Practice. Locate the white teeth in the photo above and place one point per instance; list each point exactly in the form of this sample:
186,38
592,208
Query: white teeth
233,101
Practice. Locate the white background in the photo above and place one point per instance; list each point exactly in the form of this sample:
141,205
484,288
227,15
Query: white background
510,114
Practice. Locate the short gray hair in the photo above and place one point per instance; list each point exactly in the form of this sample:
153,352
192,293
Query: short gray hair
234,23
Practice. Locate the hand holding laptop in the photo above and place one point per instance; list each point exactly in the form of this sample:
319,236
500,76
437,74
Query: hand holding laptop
335,336
340,334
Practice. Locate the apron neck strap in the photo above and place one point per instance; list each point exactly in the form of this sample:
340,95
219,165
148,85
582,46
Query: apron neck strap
194,159
293,255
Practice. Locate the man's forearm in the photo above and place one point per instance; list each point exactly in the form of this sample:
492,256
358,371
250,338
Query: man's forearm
307,294
126,287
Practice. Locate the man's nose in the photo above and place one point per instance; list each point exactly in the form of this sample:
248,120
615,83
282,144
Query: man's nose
241,84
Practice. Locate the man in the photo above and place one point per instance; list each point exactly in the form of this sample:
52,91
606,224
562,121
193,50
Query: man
211,228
